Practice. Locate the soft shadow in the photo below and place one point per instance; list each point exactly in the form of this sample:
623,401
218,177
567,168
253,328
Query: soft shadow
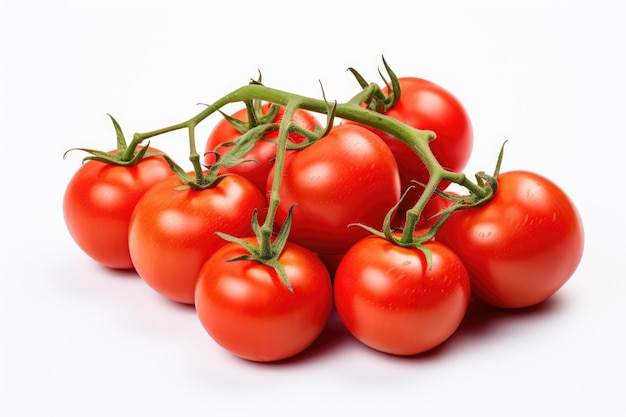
481,319
482,322
120,273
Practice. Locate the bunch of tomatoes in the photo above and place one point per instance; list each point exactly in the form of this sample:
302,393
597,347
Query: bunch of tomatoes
284,216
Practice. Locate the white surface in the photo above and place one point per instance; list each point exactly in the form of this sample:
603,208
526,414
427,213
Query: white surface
80,340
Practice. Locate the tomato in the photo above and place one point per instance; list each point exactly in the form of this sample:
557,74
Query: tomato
263,152
248,310
98,203
349,176
172,231
390,301
426,105
520,247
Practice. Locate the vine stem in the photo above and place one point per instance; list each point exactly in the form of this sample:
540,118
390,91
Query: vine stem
274,199
417,139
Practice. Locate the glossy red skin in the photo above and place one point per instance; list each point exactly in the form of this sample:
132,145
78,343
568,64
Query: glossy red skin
390,301
349,176
264,151
98,203
428,106
247,309
172,232
522,246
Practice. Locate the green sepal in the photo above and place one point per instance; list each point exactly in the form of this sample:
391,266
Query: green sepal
239,125
252,249
256,227
255,116
205,181
280,270
381,102
331,111
387,230
123,157
121,140
244,144
496,172
283,235
268,255
394,87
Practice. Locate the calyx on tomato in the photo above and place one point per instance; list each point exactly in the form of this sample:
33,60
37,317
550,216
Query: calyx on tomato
412,237
268,248
126,155
379,101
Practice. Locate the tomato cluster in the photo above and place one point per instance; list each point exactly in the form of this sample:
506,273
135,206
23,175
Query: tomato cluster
264,265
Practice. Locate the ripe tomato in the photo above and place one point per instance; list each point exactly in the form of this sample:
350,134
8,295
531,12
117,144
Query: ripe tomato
389,300
172,231
99,201
264,151
426,105
349,176
521,246
248,310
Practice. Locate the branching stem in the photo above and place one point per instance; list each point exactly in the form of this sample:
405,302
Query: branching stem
354,110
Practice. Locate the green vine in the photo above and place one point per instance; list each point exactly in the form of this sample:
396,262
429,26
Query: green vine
366,107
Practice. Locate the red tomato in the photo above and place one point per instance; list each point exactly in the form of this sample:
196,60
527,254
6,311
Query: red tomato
248,310
521,246
349,176
426,105
99,201
172,231
389,300
264,151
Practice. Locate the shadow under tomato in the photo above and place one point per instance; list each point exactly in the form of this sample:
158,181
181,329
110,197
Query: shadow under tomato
480,318
482,322
121,273
333,335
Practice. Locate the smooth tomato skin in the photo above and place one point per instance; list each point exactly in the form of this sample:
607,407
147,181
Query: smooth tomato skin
428,106
390,301
172,231
98,203
520,247
349,176
247,309
264,151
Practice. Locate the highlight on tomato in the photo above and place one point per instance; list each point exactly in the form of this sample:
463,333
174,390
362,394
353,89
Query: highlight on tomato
258,160
521,246
173,229
391,300
249,311
349,176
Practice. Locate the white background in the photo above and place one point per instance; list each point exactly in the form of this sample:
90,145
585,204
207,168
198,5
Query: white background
80,340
